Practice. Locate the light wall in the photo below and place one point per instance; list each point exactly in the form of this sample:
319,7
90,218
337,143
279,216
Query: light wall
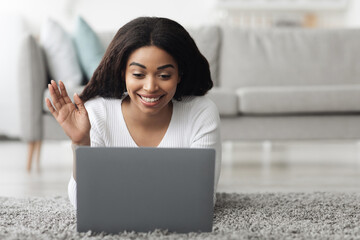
353,14
109,14
112,14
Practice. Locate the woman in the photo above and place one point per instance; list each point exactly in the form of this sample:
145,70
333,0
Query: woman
146,92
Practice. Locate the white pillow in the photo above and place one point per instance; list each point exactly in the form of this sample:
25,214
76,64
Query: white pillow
60,54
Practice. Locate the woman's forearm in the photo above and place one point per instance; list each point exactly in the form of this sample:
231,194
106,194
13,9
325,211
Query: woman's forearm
74,145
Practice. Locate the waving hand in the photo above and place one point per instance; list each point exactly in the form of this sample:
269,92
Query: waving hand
73,119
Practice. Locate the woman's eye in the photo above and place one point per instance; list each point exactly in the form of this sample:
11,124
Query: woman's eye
138,75
165,76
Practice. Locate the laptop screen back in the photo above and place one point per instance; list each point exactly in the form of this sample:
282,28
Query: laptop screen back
143,189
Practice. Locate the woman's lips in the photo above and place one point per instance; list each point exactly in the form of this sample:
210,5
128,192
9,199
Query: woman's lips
150,100
147,99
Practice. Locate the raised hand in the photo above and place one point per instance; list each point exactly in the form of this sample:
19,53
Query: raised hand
74,121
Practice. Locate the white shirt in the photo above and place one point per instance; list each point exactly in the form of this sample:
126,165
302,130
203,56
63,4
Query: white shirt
195,123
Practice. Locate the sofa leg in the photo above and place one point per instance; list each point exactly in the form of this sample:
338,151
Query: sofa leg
33,147
37,151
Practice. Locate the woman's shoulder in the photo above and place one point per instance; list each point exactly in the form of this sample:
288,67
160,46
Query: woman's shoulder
97,101
101,102
100,106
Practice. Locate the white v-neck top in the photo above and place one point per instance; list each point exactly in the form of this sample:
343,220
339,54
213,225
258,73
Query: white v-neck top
194,123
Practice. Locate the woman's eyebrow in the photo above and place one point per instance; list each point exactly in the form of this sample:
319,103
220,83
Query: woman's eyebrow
159,68
137,64
166,66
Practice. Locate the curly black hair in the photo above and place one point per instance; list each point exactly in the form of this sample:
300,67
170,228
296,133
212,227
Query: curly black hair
108,80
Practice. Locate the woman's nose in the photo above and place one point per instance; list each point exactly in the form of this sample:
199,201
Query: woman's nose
150,85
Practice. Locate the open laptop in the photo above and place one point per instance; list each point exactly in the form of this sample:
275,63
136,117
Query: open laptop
143,189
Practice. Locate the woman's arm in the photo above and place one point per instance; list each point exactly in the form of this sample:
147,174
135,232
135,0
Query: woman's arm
75,122
73,119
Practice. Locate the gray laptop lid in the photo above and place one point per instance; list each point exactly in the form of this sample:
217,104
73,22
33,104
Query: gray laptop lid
143,189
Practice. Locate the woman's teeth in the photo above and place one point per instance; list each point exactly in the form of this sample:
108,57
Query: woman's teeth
150,100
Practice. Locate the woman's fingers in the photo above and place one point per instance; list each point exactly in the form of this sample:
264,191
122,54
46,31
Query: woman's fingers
51,108
56,89
64,93
54,97
79,103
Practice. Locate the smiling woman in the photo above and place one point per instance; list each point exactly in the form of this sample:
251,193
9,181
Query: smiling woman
151,79
148,91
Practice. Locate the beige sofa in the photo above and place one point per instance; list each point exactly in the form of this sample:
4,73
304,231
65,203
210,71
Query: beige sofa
270,84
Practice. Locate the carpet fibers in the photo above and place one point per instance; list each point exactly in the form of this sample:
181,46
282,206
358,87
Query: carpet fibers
316,215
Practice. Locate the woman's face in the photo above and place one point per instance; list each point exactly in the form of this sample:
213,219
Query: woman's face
151,78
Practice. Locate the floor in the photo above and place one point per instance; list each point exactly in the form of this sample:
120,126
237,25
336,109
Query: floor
246,167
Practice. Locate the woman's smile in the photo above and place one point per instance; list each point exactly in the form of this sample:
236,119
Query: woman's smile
149,100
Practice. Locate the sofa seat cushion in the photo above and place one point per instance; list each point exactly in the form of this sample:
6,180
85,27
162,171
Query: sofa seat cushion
70,90
299,99
226,100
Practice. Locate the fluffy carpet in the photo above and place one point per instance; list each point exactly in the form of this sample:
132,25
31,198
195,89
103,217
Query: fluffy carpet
237,216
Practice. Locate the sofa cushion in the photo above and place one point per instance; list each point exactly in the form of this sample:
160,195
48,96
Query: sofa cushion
60,54
70,90
226,100
299,99
289,57
207,39
89,47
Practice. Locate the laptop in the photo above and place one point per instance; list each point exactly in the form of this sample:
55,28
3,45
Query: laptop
143,189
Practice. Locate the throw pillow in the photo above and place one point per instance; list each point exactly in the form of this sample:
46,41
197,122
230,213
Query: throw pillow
88,47
60,54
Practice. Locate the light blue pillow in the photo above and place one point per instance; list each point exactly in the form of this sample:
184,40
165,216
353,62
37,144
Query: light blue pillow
88,46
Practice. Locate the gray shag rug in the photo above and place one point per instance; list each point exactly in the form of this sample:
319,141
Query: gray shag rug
318,215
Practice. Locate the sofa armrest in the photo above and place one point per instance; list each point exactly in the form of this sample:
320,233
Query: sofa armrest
32,79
